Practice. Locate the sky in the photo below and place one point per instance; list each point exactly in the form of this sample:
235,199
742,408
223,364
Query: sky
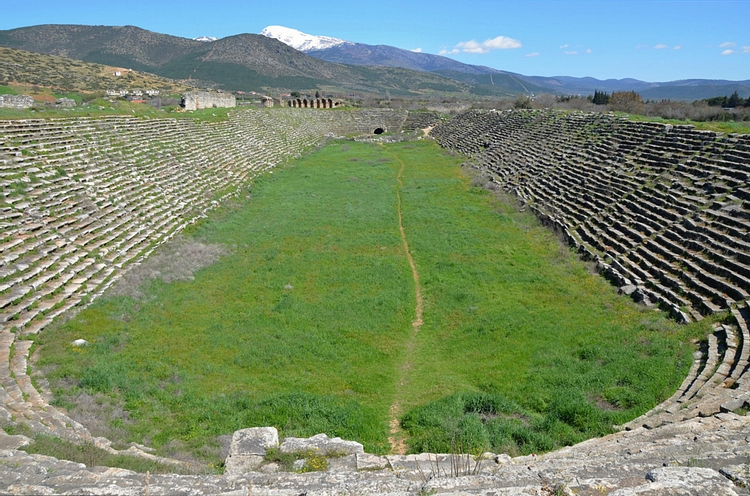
650,40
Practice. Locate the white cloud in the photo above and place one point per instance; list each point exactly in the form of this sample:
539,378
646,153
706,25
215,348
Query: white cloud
660,46
677,47
745,48
574,52
564,46
417,50
727,52
473,46
728,44
588,50
532,54
502,43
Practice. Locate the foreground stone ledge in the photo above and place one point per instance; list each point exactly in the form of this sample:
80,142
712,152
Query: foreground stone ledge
699,457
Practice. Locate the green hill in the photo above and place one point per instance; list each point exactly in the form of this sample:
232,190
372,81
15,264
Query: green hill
23,68
242,62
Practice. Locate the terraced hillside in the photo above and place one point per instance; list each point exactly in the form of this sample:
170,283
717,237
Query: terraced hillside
662,210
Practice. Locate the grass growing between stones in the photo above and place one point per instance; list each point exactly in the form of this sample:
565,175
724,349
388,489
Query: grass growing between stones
303,323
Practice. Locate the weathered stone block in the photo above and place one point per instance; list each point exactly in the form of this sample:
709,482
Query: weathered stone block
248,449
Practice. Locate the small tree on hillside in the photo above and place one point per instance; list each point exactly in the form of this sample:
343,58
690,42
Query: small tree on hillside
626,101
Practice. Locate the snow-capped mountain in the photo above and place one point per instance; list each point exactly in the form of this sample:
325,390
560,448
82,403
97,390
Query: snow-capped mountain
206,38
301,41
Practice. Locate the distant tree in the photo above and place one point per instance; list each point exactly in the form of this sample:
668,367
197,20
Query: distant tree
295,94
600,98
317,94
626,101
522,102
734,100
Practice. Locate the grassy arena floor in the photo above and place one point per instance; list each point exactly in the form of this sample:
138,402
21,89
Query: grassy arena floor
304,324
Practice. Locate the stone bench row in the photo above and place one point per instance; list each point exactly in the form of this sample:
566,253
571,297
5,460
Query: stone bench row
553,166
127,185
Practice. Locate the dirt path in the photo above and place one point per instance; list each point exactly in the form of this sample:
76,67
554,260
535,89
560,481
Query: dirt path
396,437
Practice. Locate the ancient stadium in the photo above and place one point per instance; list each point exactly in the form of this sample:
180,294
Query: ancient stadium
661,212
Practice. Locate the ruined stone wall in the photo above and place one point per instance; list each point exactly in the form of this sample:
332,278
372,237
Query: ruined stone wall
422,120
197,100
16,101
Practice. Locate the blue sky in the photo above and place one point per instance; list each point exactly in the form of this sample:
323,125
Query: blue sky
652,40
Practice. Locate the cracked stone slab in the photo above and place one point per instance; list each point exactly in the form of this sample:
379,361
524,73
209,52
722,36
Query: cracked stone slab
683,481
322,444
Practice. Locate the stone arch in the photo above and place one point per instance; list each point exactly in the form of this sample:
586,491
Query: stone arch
330,103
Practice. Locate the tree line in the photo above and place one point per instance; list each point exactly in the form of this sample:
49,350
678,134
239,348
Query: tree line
733,101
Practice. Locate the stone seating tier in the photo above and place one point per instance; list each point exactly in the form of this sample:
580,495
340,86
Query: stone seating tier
623,189
85,198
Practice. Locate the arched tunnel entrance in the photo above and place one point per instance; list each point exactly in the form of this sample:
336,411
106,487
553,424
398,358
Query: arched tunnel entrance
378,130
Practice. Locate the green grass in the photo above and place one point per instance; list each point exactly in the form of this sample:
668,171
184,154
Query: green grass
729,127
7,90
304,325
101,107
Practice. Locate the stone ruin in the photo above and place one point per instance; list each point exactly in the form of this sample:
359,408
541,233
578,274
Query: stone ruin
16,101
662,211
65,103
314,103
267,101
196,100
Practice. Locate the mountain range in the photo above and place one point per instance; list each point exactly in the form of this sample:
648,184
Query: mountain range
283,59
347,52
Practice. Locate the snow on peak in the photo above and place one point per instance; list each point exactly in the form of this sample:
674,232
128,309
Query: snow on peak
301,41
206,38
